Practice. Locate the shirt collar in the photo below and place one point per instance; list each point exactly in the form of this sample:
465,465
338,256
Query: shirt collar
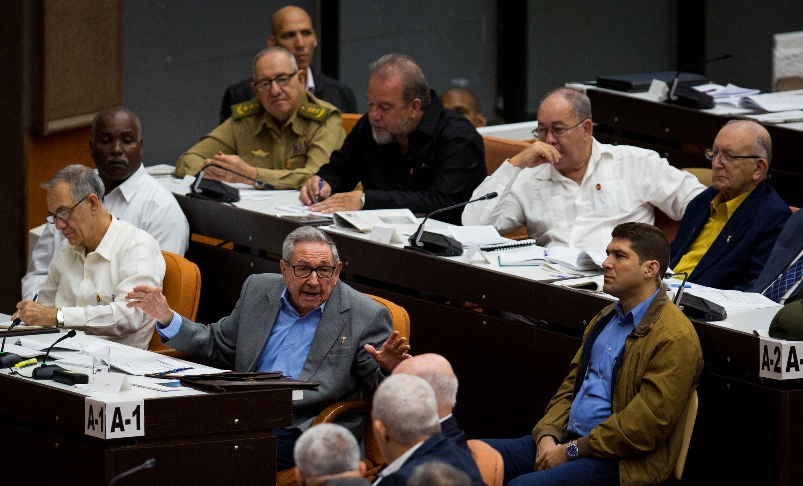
637,312
729,207
310,83
429,122
296,123
106,246
130,186
399,462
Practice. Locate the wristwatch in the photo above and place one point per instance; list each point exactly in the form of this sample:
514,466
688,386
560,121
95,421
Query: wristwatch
59,319
572,451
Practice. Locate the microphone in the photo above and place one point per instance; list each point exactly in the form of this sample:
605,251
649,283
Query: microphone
218,191
7,360
45,372
145,465
436,243
688,96
679,293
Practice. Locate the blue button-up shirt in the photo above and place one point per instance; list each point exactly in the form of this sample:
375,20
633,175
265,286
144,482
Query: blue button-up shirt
289,342
592,404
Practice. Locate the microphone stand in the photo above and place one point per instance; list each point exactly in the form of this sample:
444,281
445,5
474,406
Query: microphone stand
690,97
145,465
45,371
8,360
438,244
679,293
257,183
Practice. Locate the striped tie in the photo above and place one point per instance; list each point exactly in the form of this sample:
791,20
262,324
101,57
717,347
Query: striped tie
781,285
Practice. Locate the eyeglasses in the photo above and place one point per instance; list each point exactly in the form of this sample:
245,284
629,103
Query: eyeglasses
304,271
281,80
726,157
541,133
64,215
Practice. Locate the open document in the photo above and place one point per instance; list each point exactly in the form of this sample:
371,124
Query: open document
401,220
574,258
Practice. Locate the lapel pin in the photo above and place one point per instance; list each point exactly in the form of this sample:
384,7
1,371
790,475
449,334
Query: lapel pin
343,340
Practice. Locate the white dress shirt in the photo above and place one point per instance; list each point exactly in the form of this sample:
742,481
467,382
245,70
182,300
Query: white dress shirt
142,201
621,184
90,289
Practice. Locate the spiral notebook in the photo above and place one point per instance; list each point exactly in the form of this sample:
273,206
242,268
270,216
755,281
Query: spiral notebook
509,246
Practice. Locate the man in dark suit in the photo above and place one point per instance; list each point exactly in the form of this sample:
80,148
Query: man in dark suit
728,230
782,264
304,323
438,372
405,420
292,29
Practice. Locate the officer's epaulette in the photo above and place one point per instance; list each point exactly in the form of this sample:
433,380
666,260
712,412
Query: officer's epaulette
246,108
313,111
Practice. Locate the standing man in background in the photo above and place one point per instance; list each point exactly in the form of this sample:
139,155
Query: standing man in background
292,29
133,195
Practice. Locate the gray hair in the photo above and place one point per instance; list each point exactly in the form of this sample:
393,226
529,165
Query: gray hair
445,387
436,473
326,449
264,52
413,80
307,234
83,181
763,142
112,112
406,406
581,104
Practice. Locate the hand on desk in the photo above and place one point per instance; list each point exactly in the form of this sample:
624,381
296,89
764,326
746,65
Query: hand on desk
232,162
342,201
310,193
35,314
393,351
151,301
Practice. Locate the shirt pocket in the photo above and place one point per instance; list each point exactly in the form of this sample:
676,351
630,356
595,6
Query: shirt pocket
611,198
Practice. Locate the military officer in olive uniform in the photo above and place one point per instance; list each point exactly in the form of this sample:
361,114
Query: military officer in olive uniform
282,137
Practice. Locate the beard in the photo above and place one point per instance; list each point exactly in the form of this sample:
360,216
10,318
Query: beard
391,133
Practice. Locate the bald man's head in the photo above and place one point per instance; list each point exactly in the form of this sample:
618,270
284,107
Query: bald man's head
291,28
438,372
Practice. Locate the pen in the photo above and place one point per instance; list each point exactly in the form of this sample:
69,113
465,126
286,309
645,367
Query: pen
27,362
35,296
320,187
686,286
162,373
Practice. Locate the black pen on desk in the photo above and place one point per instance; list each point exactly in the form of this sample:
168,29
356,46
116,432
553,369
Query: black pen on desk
35,296
320,188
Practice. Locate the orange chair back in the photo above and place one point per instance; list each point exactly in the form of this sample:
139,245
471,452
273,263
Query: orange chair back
489,462
182,289
349,120
498,149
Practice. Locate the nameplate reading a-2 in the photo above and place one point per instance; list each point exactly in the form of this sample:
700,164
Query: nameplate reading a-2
780,360
114,420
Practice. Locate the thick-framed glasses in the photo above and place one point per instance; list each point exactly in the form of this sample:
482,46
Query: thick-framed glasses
64,215
542,133
281,80
726,157
304,271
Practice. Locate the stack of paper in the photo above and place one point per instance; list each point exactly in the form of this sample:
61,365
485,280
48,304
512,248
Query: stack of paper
401,220
575,258
531,255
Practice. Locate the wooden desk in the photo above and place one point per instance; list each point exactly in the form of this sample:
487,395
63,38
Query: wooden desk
199,439
508,370
681,134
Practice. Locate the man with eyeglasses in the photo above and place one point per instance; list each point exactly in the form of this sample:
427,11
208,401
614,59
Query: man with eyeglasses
305,323
133,195
101,260
291,28
407,151
570,190
728,231
281,137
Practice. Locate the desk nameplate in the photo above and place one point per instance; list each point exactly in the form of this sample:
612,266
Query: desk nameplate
781,360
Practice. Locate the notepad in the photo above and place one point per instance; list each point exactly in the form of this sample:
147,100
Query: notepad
512,245
531,255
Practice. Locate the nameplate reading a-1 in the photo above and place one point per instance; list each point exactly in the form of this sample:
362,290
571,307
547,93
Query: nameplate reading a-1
780,360
114,420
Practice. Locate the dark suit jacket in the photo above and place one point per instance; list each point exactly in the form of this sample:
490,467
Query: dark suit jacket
785,251
742,247
436,448
336,359
453,432
326,88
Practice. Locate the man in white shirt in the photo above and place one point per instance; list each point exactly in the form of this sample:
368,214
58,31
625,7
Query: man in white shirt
102,259
132,194
570,190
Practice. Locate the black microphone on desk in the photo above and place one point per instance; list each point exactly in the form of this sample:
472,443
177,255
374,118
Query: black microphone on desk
45,372
688,96
145,465
218,191
438,244
8,360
